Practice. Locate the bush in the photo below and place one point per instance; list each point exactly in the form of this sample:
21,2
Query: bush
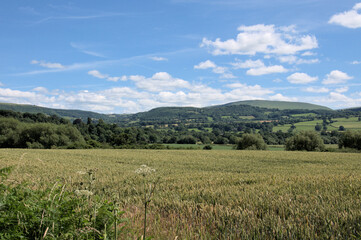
207,147
305,141
350,139
251,142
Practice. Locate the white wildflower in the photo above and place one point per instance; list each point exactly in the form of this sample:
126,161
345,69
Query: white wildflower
83,193
144,170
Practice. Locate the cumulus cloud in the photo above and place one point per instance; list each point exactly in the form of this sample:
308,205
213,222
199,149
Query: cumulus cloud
24,97
280,97
248,64
258,68
47,64
265,39
224,71
317,90
205,65
341,90
291,59
97,74
159,81
158,59
266,70
308,53
336,77
301,78
40,89
250,91
349,19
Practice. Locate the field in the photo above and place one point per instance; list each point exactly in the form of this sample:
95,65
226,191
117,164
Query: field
351,123
213,194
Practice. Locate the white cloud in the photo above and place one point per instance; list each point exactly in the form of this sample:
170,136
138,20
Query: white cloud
159,81
265,39
349,19
280,97
291,59
249,91
224,71
24,97
40,89
317,90
97,74
356,62
301,78
158,59
341,90
248,64
258,68
336,77
266,70
205,65
47,64
1,84
84,48
308,53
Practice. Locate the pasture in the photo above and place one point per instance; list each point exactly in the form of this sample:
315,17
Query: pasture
212,194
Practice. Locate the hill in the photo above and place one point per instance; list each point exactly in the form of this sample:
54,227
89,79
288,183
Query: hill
65,113
281,105
230,112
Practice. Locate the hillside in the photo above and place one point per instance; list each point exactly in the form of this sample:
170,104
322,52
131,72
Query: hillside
281,105
258,109
65,113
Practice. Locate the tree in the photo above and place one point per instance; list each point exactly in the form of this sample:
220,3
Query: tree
350,139
305,141
251,142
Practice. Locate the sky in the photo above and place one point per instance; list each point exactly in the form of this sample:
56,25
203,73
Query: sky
131,56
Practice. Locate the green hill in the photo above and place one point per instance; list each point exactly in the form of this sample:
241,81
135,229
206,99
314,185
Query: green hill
257,109
65,113
281,105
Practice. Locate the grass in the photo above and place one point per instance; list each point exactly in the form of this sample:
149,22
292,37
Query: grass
213,194
351,123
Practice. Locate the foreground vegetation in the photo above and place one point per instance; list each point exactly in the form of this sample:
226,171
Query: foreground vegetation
210,194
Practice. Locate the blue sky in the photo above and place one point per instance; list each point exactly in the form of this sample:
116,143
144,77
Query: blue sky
130,56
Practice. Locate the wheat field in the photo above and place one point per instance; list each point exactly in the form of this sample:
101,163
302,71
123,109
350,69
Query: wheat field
211,194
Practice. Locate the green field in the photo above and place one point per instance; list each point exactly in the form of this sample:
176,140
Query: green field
213,194
351,123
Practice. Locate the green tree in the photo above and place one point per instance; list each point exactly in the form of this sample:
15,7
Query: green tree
350,139
305,141
251,142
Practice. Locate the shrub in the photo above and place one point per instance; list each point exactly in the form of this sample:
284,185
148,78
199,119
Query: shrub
207,147
251,142
305,141
350,139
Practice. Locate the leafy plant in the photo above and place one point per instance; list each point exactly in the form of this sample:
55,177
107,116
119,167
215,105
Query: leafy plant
54,213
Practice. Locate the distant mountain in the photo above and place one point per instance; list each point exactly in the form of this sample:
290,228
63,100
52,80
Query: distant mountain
281,105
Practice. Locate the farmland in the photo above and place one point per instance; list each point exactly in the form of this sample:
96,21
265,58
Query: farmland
213,194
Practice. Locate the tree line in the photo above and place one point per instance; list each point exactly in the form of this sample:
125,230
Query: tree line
27,130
